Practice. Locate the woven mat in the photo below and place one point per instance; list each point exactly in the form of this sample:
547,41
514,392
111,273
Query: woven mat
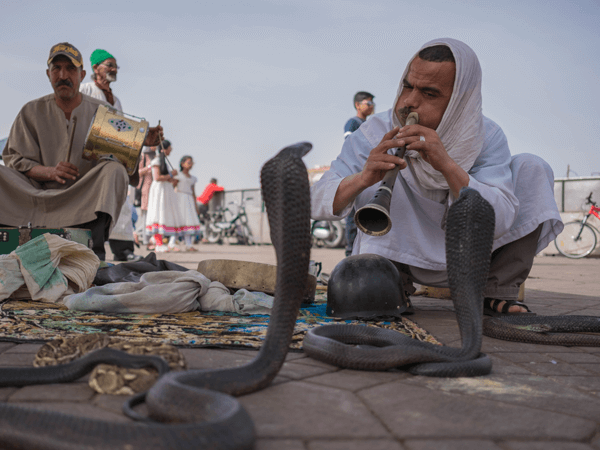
35,322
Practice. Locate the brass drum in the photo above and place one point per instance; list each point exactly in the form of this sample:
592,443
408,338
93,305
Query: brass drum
116,137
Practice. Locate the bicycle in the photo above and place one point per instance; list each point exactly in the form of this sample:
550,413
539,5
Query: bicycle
218,228
579,238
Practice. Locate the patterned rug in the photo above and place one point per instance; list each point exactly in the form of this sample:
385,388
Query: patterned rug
35,322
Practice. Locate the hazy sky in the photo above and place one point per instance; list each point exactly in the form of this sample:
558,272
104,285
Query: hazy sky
234,81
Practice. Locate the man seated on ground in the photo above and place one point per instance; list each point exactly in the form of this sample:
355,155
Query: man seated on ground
451,147
39,186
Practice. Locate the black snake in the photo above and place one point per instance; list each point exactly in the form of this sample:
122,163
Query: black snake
469,237
193,409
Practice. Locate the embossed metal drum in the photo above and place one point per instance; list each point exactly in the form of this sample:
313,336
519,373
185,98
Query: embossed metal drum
114,136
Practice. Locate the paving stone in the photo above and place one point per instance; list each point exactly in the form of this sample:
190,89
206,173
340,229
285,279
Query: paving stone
24,348
451,444
355,380
356,444
215,359
112,403
16,359
580,357
279,444
531,391
549,369
589,385
299,371
76,409
306,411
71,392
315,363
412,411
6,392
513,445
525,358
491,345
504,367
4,346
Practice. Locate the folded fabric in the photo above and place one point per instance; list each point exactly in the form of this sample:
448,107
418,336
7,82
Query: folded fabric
168,292
49,267
133,271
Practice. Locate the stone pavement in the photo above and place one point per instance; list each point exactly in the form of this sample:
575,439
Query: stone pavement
537,397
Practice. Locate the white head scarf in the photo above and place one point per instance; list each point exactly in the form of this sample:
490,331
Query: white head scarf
461,130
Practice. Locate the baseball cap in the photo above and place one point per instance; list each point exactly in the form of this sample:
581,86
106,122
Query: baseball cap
66,49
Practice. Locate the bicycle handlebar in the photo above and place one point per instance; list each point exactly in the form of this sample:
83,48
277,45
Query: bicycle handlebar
590,201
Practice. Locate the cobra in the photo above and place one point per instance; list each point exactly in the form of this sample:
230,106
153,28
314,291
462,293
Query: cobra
193,409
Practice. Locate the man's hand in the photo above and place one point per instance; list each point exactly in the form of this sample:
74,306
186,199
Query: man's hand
378,164
433,152
62,172
152,138
431,149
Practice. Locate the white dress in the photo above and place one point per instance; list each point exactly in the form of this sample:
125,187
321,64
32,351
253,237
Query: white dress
164,216
187,204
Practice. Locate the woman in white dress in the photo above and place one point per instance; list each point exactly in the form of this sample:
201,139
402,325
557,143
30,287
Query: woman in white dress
163,219
187,202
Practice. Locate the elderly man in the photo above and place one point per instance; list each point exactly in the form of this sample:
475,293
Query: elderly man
105,70
39,186
104,65
451,147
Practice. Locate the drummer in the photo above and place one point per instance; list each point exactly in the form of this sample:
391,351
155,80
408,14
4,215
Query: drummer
39,186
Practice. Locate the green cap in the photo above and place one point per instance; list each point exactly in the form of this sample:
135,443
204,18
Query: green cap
99,55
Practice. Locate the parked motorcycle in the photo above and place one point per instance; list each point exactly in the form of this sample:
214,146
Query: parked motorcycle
219,228
327,233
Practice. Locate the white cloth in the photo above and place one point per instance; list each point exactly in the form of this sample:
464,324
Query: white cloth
123,229
46,269
164,215
94,91
168,292
461,129
187,204
417,236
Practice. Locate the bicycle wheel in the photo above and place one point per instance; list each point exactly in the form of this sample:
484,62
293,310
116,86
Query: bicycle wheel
337,235
214,236
576,241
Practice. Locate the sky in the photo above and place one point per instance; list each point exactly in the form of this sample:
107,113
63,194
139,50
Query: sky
232,82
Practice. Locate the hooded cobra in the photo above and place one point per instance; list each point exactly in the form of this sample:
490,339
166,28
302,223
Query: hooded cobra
193,409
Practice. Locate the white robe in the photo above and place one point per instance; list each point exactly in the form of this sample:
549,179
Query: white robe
417,236
95,92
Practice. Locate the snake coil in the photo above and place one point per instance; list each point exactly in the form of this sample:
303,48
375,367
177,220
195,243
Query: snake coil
469,237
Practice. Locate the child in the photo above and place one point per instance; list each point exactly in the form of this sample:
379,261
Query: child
187,202
164,217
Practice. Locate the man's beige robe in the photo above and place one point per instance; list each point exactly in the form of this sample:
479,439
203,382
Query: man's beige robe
40,135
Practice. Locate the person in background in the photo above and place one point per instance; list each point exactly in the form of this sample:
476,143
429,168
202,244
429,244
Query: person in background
364,106
104,66
187,202
163,219
207,195
145,171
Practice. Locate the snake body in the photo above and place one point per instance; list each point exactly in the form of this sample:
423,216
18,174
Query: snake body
550,330
469,237
193,409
